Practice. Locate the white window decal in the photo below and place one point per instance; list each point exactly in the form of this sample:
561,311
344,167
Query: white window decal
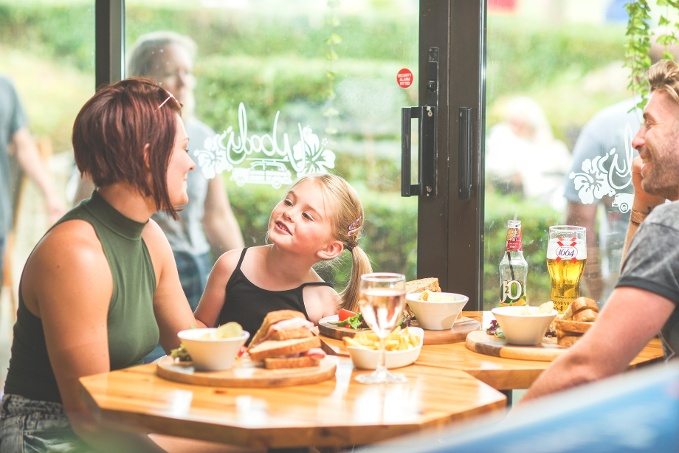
263,158
607,175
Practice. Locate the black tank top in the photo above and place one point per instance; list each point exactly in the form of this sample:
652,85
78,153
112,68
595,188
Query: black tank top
248,304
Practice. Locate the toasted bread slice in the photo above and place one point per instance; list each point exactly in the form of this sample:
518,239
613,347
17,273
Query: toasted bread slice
290,362
287,334
430,283
271,318
586,315
571,327
580,304
568,340
272,348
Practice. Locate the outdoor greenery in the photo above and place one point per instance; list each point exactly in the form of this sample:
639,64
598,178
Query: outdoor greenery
639,38
296,68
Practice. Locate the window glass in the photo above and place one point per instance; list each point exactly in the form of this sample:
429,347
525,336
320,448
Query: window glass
558,132
295,87
46,74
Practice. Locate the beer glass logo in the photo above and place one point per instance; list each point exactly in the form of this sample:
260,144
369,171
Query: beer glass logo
564,249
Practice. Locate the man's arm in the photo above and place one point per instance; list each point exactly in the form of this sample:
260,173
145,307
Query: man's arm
642,205
31,162
585,215
628,321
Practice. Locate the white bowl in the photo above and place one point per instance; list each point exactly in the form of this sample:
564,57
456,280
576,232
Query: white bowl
524,326
439,312
366,359
210,353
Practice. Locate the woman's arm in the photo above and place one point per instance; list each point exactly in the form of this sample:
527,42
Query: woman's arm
171,308
73,306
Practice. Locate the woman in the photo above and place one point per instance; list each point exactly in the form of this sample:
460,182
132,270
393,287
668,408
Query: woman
101,287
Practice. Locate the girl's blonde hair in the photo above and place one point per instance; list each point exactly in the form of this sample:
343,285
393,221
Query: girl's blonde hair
347,225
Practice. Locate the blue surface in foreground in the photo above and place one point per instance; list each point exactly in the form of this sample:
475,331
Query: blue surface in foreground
635,412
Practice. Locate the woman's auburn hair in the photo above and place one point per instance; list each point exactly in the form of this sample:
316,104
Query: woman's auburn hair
111,133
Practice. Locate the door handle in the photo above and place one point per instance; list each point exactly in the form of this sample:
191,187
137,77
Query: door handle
464,154
426,184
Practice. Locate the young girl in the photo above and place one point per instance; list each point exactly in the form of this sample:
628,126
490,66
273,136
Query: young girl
319,218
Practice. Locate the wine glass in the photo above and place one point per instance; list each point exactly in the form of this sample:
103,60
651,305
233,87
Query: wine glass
381,300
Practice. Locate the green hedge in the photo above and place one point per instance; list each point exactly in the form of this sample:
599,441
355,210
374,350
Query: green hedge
389,237
275,63
390,241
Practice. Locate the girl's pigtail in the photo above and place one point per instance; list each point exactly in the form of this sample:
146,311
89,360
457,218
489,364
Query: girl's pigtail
360,264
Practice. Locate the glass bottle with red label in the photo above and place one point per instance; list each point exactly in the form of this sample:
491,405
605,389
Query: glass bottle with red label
513,268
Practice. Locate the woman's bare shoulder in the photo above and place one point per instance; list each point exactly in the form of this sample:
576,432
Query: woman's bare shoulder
71,254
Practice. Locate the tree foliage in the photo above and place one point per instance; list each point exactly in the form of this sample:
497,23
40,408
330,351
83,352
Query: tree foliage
640,34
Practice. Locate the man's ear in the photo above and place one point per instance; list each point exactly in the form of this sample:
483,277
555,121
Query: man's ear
331,250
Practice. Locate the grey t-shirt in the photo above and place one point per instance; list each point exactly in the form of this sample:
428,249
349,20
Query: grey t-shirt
12,118
652,264
187,234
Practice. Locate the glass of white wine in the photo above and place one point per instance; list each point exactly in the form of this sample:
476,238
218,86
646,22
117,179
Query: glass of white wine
381,300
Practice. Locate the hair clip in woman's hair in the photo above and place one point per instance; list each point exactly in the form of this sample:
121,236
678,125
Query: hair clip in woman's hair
355,225
165,101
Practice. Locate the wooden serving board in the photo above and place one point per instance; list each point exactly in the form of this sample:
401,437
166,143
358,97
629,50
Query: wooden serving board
479,341
246,373
459,332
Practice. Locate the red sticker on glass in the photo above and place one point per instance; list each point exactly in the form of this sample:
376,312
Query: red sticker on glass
404,78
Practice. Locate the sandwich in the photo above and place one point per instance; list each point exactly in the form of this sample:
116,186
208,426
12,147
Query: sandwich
286,340
575,321
428,283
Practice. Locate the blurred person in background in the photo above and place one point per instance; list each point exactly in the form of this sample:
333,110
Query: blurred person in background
600,179
643,303
16,139
523,156
600,182
207,222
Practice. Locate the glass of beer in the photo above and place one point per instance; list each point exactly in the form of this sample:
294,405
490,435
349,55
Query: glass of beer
566,256
381,300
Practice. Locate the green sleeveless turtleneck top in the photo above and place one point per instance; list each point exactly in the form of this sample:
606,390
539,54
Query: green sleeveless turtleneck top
132,328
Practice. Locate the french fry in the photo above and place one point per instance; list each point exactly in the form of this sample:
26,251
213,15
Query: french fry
398,340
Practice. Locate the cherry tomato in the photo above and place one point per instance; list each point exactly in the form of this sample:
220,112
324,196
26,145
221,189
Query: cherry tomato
344,314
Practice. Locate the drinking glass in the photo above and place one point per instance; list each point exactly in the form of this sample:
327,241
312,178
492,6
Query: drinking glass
566,256
381,300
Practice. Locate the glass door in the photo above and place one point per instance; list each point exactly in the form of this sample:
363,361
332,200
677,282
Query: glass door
282,89
46,74
558,134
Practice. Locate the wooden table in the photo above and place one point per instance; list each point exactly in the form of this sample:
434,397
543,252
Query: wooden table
336,412
500,373
447,383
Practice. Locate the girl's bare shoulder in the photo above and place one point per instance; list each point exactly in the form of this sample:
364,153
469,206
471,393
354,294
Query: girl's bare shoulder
227,261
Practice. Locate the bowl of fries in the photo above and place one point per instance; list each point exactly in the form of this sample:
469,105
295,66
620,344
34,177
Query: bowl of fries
402,347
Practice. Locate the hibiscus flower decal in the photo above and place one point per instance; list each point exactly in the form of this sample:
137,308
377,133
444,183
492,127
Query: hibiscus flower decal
211,159
310,153
592,182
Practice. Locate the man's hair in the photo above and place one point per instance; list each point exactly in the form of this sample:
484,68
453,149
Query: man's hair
664,76
146,53
112,130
